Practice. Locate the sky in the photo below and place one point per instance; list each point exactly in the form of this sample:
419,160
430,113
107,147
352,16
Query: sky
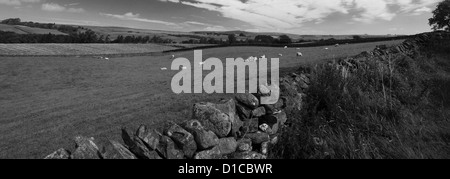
305,17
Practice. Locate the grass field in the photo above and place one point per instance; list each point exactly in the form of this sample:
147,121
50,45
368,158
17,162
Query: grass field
79,49
46,101
87,49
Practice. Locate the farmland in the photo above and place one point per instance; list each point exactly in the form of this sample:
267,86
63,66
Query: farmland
28,30
46,101
117,49
78,49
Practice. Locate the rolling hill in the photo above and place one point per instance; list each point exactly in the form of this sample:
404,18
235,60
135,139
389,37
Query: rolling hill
28,30
174,36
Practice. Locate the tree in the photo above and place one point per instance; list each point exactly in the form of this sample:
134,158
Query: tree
357,37
264,39
11,21
231,39
284,39
441,16
107,39
119,39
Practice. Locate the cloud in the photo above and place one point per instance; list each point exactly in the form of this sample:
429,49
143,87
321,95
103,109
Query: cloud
197,23
293,14
53,7
136,17
216,28
421,11
72,21
17,2
206,26
174,1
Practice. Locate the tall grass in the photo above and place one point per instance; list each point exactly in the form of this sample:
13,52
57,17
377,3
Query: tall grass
386,108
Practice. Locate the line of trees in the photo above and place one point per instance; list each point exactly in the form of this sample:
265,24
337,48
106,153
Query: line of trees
140,39
81,37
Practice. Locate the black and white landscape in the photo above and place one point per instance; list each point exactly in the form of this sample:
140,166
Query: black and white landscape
359,79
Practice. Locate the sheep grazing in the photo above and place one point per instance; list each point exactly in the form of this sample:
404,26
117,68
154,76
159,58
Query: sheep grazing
106,58
163,69
285,47
299,54
251,59
173,56
280,55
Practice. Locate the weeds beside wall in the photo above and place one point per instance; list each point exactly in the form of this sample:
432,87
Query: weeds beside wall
390,103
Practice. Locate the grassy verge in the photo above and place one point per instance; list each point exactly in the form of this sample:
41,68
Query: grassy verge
393,107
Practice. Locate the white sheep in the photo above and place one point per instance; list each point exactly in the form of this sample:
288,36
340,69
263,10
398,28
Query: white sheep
326,48
299,54
173,56
163,69
106,58
280,55
285,47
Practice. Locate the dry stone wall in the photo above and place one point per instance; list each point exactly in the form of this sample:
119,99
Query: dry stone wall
410,47
239,128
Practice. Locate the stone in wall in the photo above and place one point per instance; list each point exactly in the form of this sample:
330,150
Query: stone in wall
59,154
148,136
213,119
168,149
115,150
183,139
248,100
85,149
204,138
138,147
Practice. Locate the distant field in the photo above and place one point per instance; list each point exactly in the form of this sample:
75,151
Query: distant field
79,49
28,30
46,101
117,49
114,32
189,45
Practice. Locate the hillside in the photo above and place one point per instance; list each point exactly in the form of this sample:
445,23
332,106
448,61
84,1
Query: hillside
294,37
28,30
15,25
